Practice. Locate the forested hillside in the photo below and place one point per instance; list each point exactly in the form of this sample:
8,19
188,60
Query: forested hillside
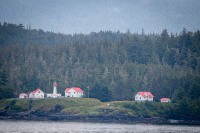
114,65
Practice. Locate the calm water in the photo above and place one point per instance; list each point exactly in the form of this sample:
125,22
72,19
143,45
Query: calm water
80,127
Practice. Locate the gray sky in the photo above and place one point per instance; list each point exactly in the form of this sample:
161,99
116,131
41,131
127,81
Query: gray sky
85,16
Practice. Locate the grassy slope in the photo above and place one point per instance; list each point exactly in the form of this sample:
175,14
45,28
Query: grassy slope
68,105
89,106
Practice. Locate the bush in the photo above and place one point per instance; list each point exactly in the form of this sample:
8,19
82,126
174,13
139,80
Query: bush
16,108
58,108
13,102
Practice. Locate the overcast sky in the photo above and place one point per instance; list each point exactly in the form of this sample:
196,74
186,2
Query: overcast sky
85,16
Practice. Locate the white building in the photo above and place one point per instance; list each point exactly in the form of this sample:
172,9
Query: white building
51,95
74,92
55,94
23,95
144,96
37,94
164,100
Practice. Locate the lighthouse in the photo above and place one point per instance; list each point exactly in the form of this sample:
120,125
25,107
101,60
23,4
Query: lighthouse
55,90
55,93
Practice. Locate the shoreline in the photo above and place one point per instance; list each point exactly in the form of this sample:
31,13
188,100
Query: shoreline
94,118
91,110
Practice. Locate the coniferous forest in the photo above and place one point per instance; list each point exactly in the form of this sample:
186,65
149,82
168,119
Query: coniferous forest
114,65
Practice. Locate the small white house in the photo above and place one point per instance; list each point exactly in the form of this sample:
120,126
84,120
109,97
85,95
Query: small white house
165,100
144,96
74,92
38,93
23,95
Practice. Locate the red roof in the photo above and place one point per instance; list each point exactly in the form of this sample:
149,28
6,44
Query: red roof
164,99
54,84
77,89
35,90
67,89
145,94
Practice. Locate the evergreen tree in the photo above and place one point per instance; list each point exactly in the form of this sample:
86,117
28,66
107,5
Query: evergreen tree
100,92
5,91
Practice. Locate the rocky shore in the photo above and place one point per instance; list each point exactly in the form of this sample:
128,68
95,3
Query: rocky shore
37,115
89,110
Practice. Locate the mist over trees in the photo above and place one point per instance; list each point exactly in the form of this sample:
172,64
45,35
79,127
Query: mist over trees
119,64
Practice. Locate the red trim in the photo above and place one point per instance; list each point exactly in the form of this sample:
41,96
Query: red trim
36,90
146,94
67,89
54,84
164,99
76,89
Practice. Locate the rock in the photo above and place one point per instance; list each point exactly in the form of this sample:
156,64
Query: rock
105,118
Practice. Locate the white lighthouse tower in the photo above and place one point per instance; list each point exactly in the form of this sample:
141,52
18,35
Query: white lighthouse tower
55,90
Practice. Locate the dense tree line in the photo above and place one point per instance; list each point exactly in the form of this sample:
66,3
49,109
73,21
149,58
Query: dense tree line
121,64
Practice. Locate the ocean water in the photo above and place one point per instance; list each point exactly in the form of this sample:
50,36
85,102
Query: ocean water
8,126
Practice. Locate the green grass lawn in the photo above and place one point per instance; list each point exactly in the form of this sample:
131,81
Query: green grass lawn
87,106
48,104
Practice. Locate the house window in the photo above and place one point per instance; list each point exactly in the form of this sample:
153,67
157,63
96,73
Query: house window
140,97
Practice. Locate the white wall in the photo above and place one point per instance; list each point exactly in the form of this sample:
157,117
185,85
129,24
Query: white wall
140,98
72,93
31,95
166,101
51,95
38,94
23,96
